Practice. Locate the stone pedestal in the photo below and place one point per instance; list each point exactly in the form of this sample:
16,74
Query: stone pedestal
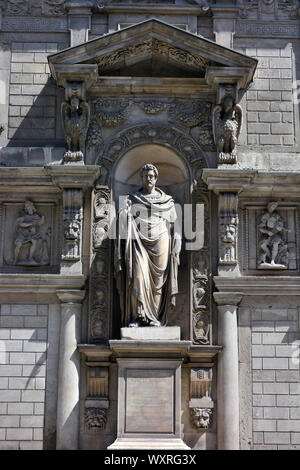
149,389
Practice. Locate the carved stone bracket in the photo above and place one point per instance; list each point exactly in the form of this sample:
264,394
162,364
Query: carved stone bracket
72,224
201,404
228,228
96,404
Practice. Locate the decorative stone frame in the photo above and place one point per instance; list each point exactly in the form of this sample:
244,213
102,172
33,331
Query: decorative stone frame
290,210
53,205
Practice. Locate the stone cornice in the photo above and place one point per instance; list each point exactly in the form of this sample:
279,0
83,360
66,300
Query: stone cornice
249,182
227,180
64,73
63,176
148,348
257,285
73,176
152,9
39,283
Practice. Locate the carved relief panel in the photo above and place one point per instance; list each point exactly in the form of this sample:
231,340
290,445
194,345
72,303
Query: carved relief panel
96,403
29,235
100,285
270,237
201,288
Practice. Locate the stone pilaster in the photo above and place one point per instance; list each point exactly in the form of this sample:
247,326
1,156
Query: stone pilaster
228,371
79,19
67,431
224,24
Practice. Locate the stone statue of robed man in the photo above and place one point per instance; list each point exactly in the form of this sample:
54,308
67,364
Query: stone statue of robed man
147,254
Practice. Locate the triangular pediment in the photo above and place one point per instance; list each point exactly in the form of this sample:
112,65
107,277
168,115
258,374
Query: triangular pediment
154,49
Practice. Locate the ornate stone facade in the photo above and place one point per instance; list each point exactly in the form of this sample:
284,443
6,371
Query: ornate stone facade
91,92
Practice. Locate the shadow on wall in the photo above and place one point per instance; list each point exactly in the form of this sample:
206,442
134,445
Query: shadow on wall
35,118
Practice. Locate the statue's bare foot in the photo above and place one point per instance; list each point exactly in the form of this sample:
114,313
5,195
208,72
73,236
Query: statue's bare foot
133,324
155,323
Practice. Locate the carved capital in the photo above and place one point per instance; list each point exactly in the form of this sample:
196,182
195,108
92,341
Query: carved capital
227,299
70,296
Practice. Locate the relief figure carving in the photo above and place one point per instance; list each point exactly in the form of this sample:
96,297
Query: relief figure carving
272,246
29,235
101,218
95,418
146,262
201,417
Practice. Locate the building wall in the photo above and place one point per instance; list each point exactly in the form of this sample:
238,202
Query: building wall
24,341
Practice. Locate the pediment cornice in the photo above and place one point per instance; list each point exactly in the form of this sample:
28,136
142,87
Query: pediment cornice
153,41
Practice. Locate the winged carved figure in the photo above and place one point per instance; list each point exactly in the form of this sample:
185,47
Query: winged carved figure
227,122
75,117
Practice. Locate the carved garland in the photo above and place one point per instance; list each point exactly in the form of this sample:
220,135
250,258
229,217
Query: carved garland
35,7
268,7
150,47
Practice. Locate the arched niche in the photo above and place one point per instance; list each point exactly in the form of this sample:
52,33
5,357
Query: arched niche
173,174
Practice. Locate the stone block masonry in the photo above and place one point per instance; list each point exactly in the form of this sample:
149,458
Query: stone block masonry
23,339
270,119
276,379
32,106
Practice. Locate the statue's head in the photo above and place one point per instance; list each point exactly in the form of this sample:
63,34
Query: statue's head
29,207
272,206
149,175
228,103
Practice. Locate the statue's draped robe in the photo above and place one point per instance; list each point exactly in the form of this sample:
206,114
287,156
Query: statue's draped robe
145,264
